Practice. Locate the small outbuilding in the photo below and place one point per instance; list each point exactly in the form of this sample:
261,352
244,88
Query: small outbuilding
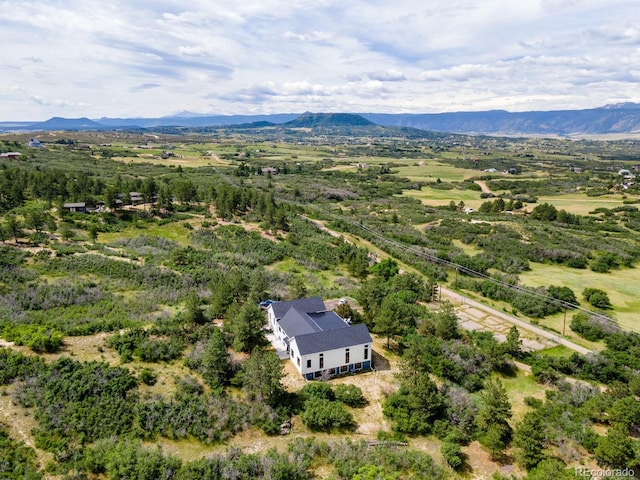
78,207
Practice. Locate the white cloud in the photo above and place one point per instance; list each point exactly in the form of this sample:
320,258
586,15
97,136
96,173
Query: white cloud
388,75
122,58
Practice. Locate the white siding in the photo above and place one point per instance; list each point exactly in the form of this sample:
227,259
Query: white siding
272,318
332,358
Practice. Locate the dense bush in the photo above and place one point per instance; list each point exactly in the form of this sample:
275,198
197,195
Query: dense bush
318,390
596,297
350,395
206,418
138,343
80,402
16,366
593,327
353,458
38,338
324,415
17,461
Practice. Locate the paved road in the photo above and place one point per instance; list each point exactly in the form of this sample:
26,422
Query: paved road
554,337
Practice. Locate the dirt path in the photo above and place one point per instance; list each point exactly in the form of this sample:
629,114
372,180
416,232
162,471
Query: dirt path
483,185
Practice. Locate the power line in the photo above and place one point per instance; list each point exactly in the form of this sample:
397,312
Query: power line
467,271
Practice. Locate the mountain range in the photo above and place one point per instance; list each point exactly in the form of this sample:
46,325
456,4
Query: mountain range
621,118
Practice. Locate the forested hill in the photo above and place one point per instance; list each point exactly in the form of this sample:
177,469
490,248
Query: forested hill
311,120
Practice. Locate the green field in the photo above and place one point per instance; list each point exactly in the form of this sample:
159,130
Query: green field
580,203
431,171
436,197
621,285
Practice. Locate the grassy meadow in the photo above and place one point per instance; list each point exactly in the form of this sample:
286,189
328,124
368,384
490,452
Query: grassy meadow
621,285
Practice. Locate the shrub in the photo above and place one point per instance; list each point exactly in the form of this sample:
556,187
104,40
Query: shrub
350,395
323,415
593,327
452,454
317,390
596,297
38,338
148,376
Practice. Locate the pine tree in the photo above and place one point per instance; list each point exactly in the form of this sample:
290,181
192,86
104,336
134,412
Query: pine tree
261,376
493,416
215,361
529,440
513,344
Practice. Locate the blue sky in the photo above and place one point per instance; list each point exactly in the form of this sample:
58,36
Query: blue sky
149,58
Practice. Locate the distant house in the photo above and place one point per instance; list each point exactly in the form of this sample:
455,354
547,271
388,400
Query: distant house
10,155
269,170
136,198
626,174
319,343
79,207
35,143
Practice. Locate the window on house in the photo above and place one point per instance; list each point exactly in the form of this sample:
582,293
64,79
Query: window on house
358,366
332,371
343,368
366,352
346,356
308,363
298,361
322,360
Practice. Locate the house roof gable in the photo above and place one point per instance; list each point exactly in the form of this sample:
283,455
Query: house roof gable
332,339
296,322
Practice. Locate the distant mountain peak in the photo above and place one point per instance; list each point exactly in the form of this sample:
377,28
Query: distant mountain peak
60,123
187,114
621,106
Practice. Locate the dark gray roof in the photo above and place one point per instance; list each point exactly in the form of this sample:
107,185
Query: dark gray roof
75,205
333,339
305,305
296,322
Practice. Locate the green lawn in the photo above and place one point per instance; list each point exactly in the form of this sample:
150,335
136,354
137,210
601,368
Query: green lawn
580,203
435,197
557,351
518,388
175,231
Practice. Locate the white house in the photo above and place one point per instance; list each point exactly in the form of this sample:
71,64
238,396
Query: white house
319,342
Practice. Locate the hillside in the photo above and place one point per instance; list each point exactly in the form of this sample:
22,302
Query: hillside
314,120
59,123
619,119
